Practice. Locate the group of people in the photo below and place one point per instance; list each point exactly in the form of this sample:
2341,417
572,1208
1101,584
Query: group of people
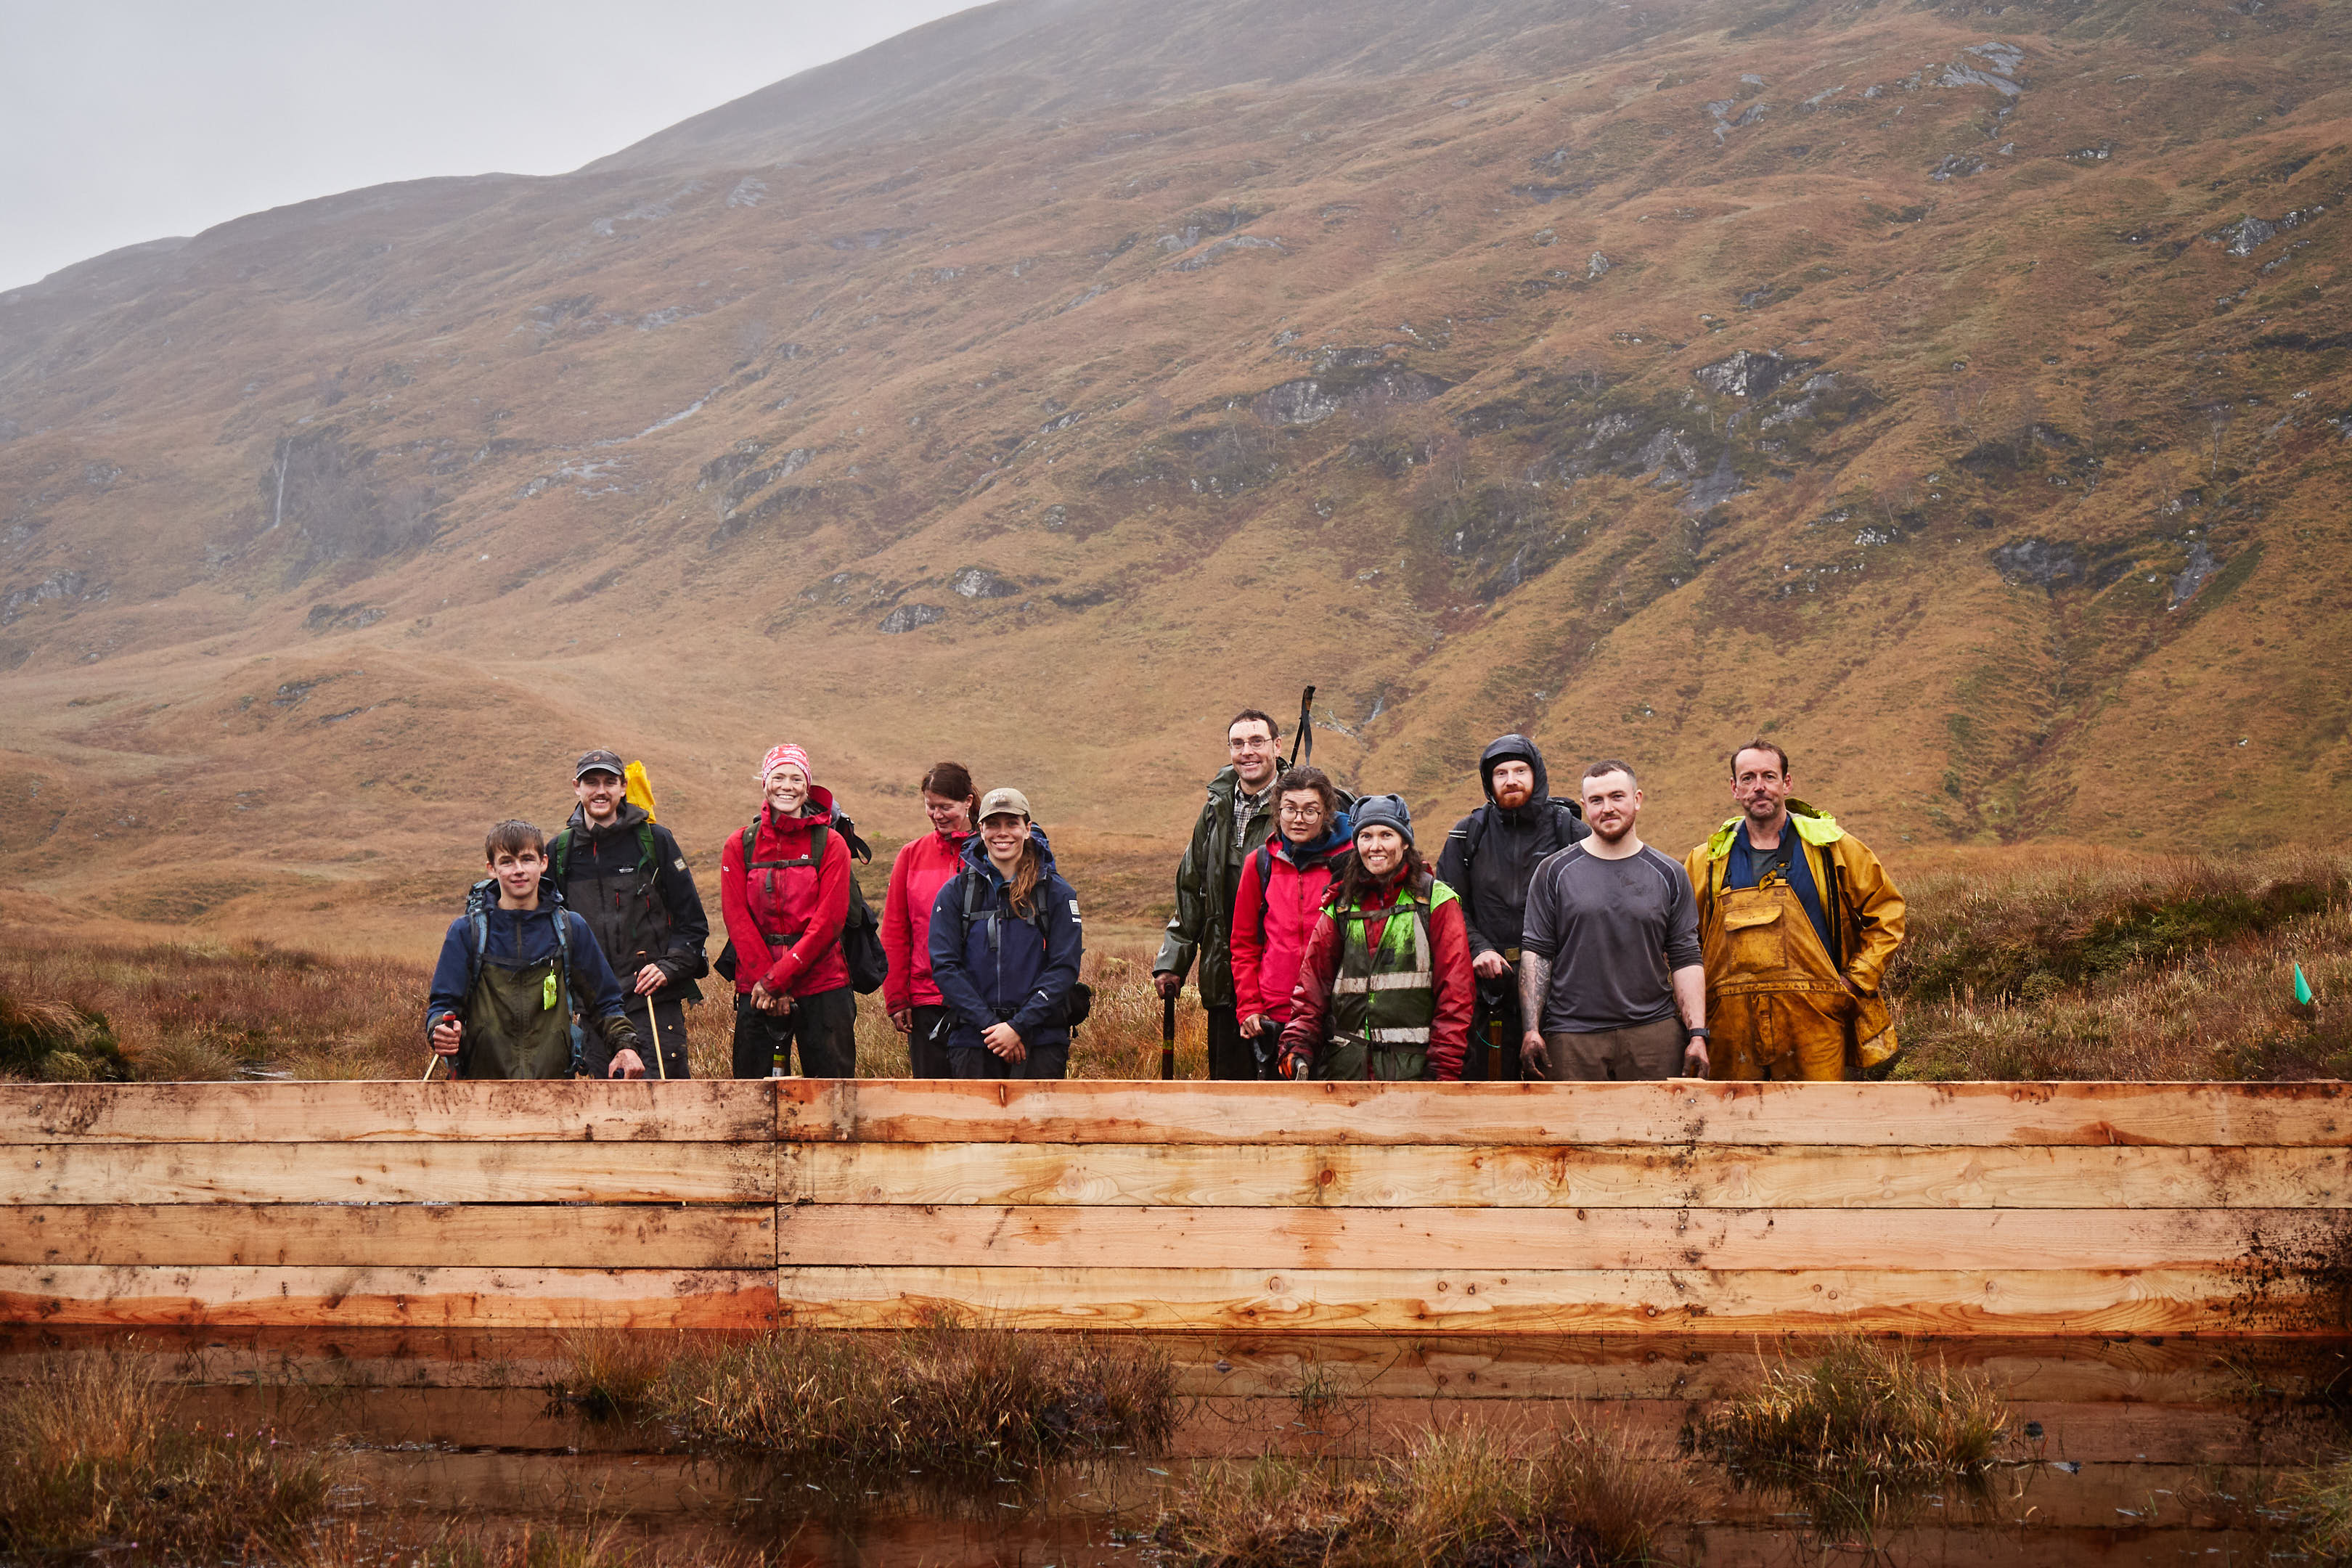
1548,941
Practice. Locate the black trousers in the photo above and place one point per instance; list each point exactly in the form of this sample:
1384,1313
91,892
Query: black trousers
1497,1005
1231,1057
824,1026
979,1061
669,1022
927,1043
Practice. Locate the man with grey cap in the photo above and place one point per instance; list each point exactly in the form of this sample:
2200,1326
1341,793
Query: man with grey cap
624,873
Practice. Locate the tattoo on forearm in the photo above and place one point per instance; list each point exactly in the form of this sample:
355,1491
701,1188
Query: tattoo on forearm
1535,979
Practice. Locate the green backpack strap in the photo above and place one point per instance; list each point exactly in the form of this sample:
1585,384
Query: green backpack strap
559,854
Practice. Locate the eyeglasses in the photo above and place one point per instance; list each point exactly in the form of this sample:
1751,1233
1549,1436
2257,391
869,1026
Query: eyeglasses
1300,811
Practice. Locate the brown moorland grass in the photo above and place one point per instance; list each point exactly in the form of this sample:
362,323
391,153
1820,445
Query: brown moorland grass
400,1542
944,1397
1456,1498
2077,966
91,1455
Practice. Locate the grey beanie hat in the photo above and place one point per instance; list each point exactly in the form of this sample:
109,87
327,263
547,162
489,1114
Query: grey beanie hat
1383,811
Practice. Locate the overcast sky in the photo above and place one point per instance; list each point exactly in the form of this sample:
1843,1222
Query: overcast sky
123,120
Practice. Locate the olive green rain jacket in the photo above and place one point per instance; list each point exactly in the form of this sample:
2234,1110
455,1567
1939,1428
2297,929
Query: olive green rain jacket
1206,882
1777,1003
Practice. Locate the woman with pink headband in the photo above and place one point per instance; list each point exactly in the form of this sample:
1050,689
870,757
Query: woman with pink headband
783,886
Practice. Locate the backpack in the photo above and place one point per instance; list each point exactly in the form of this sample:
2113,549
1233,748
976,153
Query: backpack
558,851
1078,1006
1476,833
861,933
478,899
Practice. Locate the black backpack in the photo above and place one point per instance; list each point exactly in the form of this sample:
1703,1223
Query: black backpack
1567,816
1079,1004
861,933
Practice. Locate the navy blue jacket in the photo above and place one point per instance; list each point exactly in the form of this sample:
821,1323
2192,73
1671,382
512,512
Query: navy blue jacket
1024,979
518,940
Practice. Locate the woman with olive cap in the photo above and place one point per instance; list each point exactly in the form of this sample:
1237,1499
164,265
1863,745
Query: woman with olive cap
1385,990
1005,946
783,886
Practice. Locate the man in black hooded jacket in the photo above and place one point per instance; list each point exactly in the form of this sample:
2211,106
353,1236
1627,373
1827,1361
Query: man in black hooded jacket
624,875
1488,859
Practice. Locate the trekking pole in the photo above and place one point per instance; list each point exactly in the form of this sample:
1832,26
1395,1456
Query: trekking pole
653,1027
1304,737
1166,1039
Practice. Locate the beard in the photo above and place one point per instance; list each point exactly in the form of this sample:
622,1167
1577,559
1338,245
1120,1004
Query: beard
1513,798
1624,827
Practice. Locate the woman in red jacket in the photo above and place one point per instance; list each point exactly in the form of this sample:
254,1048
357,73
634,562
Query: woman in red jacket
1282,889
1385,989
922,867
784,901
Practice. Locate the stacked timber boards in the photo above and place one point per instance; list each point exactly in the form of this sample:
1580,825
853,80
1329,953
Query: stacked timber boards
643,1204
1559,1208
1480,1208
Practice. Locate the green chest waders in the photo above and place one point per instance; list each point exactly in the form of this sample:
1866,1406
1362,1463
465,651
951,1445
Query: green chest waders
1385,998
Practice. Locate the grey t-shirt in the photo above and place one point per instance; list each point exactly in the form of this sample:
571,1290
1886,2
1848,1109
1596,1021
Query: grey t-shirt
1613,932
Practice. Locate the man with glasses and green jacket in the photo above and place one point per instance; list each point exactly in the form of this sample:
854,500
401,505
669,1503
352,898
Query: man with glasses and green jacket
1237,817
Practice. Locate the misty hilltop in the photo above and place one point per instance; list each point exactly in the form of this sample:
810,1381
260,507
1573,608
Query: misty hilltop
1960,395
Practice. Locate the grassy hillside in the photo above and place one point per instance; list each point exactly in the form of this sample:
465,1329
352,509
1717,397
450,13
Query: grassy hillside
1968,409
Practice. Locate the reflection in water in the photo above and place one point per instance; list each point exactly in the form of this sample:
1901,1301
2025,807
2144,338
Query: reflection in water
2122,1450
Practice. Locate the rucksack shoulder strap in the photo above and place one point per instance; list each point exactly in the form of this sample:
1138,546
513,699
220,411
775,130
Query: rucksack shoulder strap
647,857
559,853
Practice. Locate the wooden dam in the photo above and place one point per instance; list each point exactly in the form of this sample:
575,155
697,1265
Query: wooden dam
1671,1208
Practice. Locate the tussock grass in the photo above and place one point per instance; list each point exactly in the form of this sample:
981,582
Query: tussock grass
90,1456
614,1372
938,1397
1860,1429
2090,967
1456,1498
2320,1502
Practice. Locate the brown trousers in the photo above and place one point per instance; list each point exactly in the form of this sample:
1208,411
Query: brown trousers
1645,1050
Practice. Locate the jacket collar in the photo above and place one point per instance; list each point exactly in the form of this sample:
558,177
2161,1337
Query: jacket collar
1816,828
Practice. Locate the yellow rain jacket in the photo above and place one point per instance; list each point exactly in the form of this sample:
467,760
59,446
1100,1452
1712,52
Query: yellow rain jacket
1775,1002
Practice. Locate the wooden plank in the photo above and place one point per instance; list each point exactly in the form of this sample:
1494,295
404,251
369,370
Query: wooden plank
387,1173
900,1234
133,1297
1420,1176
1981,1115
2043,1301
711,1110
1712,1367
645,1236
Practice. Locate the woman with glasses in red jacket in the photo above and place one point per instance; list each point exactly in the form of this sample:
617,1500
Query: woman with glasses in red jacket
1283,885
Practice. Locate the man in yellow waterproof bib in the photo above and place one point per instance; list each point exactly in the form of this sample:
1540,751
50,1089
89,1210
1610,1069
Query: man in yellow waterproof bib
1796,921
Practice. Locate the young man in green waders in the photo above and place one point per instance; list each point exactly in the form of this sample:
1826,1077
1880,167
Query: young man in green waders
521,990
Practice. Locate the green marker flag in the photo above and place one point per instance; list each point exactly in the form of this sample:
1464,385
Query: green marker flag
2302,988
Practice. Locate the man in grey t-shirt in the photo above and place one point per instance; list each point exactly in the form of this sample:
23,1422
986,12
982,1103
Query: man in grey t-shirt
1610,980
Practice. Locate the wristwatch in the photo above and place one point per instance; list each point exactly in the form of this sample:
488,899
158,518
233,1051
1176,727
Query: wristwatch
1695,1033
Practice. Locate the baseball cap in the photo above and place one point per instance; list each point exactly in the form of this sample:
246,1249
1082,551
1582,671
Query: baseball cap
599,762
998,801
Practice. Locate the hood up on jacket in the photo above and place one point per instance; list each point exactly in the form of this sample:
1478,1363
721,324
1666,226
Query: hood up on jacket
1514,749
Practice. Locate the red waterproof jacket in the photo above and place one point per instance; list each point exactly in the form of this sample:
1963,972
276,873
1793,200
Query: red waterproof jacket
1449,941
922,867
1271,924
804,906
